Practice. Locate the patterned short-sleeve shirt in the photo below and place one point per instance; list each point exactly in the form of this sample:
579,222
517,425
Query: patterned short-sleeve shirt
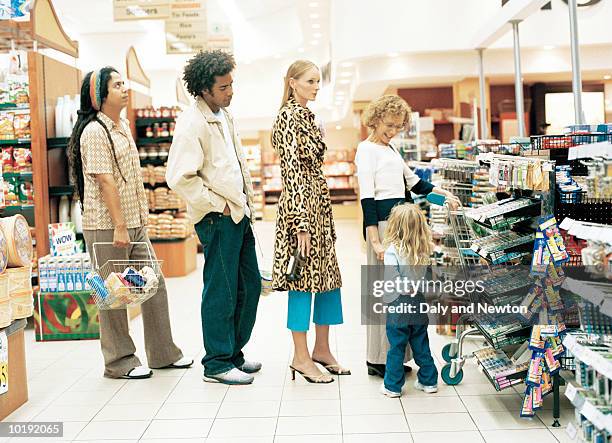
98,158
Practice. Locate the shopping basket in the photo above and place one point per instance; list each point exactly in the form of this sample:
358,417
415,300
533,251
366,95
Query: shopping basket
119,284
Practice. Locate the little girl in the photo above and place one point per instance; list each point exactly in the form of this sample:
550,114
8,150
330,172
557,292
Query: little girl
408,247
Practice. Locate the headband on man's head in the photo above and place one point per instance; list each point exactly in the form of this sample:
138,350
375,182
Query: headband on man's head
94,90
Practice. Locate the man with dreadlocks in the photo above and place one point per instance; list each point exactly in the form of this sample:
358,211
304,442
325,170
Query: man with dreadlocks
106,170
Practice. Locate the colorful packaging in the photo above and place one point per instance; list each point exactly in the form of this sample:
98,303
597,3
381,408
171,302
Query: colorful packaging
62,239
535,342
97,284
527,408
551,362
7,159
21,125
134,278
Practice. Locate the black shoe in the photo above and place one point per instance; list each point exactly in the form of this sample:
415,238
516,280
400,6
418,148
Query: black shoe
376,369
379,369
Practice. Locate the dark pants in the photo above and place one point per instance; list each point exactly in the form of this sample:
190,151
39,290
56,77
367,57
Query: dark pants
232,286
404,329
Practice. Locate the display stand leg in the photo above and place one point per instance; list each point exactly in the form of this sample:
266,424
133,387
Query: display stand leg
556,401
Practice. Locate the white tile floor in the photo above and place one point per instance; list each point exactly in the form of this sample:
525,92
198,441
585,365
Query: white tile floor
66,384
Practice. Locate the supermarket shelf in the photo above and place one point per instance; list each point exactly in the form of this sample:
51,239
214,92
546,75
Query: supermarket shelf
153,161
20,141
159,211
533,209
586,355
499,256
156,185
600,294
21,175
167,240
589,410
57,191
57,142
148,121
511,337
153,140
14,107
507,378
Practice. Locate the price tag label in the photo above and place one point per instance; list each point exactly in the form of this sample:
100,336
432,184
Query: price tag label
571,431
3,363
570,392
593,414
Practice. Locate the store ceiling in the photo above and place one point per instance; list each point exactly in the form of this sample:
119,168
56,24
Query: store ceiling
261,29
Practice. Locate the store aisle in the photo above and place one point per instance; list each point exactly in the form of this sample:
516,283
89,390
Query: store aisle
66,384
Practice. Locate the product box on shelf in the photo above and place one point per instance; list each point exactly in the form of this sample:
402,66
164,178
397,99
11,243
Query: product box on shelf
64,274
66,316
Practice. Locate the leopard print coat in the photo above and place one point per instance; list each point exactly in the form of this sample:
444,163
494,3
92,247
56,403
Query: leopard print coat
304,203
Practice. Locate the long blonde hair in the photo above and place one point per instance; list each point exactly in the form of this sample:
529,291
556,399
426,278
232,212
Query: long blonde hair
295,71
408,232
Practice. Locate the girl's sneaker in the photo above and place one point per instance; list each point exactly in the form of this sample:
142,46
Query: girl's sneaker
426,389
384,391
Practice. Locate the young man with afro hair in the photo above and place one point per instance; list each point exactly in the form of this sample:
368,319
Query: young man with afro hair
207,168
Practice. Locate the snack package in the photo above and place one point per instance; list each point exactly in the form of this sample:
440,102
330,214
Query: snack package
18,89
541,256
22,160
11,191
7,160
26,192
7,131
21,125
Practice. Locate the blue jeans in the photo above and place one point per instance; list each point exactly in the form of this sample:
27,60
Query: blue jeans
232,286
327,309
401,330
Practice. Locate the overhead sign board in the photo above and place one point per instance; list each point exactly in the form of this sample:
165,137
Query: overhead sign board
140,9
186,28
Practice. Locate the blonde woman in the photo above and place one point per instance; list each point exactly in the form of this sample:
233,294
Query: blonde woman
384,179
304,224
408,247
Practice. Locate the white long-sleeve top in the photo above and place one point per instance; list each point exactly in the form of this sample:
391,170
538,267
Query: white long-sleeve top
381,171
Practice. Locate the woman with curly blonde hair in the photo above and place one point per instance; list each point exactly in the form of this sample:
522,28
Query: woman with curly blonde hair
384,181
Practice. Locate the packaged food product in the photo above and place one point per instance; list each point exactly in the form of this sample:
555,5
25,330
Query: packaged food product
7,159
18,89
21,125
26,192
11,191
22,160
7,132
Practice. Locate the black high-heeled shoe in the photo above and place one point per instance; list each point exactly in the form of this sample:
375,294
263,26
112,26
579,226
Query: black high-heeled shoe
378,369
321,378
333,369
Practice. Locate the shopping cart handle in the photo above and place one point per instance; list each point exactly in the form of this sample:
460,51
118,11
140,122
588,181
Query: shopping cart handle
436,199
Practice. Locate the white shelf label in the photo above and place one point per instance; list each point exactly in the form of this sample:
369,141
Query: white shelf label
571,431
570,392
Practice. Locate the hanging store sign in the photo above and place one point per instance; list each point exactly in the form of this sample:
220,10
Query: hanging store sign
140,9
220,37
4,363
186,28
